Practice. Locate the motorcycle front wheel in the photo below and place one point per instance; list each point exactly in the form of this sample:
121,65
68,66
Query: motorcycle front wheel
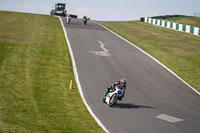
113,100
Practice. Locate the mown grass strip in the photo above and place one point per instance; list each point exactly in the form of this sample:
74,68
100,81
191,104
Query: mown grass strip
178,51
35,73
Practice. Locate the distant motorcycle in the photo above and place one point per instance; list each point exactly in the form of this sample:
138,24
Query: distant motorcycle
68,19
112,97
85,21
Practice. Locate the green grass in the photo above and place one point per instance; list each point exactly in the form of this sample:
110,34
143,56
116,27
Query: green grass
35,73
185,20
178,51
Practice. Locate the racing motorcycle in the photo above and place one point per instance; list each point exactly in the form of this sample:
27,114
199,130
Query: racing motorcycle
85,21
112,97
68,19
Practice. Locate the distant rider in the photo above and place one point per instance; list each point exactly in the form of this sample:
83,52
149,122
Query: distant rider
84,19
68,18
122,86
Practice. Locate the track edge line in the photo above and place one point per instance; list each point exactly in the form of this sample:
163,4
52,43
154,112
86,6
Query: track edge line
77,79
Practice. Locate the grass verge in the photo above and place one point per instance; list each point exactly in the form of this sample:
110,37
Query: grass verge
35,73
178,51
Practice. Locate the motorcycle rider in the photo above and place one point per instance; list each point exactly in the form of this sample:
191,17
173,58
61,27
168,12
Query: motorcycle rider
84,19
122,85
68,18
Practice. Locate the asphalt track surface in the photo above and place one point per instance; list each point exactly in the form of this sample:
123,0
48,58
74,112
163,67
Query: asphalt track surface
155,100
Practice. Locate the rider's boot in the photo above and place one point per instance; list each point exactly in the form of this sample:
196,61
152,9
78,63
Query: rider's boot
120,98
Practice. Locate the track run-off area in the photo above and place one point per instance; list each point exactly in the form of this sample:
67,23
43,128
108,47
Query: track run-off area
155,101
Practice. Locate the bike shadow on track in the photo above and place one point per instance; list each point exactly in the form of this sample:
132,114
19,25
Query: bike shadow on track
130,106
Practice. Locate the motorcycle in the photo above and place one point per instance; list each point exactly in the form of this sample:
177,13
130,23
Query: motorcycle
85,21
68,20
112,97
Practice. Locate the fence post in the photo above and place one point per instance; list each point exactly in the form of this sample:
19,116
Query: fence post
191,29
199,31
160,22
177,26
184,28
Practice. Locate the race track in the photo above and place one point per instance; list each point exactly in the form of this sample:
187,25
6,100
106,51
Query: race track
155,100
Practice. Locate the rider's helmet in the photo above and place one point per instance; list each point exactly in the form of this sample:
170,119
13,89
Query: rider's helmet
123,82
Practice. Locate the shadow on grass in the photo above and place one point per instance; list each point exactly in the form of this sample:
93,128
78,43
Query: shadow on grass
130,106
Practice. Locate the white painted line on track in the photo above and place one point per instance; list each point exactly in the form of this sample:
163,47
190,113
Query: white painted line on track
102,46
77,80
169,118
101,53
152,58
